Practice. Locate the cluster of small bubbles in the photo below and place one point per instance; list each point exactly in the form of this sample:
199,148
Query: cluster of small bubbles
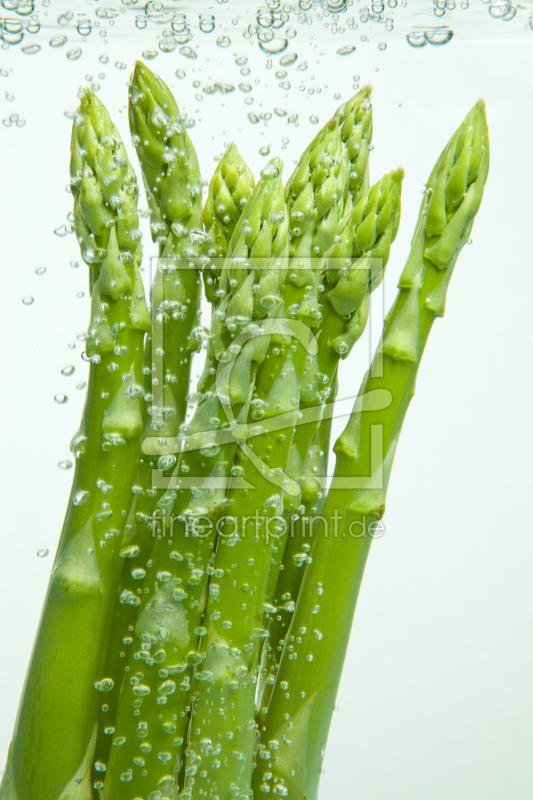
14,119
438,37
43,553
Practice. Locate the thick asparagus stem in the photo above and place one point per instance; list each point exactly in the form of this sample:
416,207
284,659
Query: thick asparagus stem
350,271
171,177
180,574
298,719
57,714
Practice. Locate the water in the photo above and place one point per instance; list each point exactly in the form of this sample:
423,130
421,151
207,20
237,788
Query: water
435,697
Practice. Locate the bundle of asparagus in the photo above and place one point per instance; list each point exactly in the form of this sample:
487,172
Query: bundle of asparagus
194,631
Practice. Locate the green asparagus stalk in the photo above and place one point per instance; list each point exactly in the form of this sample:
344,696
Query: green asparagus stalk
316,197
353,120
179,570
350,271
230,188
329,222
65,681
171,177
297,723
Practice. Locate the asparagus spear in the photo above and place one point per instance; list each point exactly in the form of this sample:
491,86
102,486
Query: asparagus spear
351,270
351,127
230,187
298,719
316,197
179,574
171,176
57,714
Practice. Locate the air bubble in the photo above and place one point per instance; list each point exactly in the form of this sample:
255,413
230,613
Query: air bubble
288,59
81,498
274,46
58,41
188,52
346,50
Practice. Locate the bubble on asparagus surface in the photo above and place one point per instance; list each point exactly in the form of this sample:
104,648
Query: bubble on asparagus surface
105,685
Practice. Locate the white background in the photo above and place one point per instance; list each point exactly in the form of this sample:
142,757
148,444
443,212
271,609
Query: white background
436,698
